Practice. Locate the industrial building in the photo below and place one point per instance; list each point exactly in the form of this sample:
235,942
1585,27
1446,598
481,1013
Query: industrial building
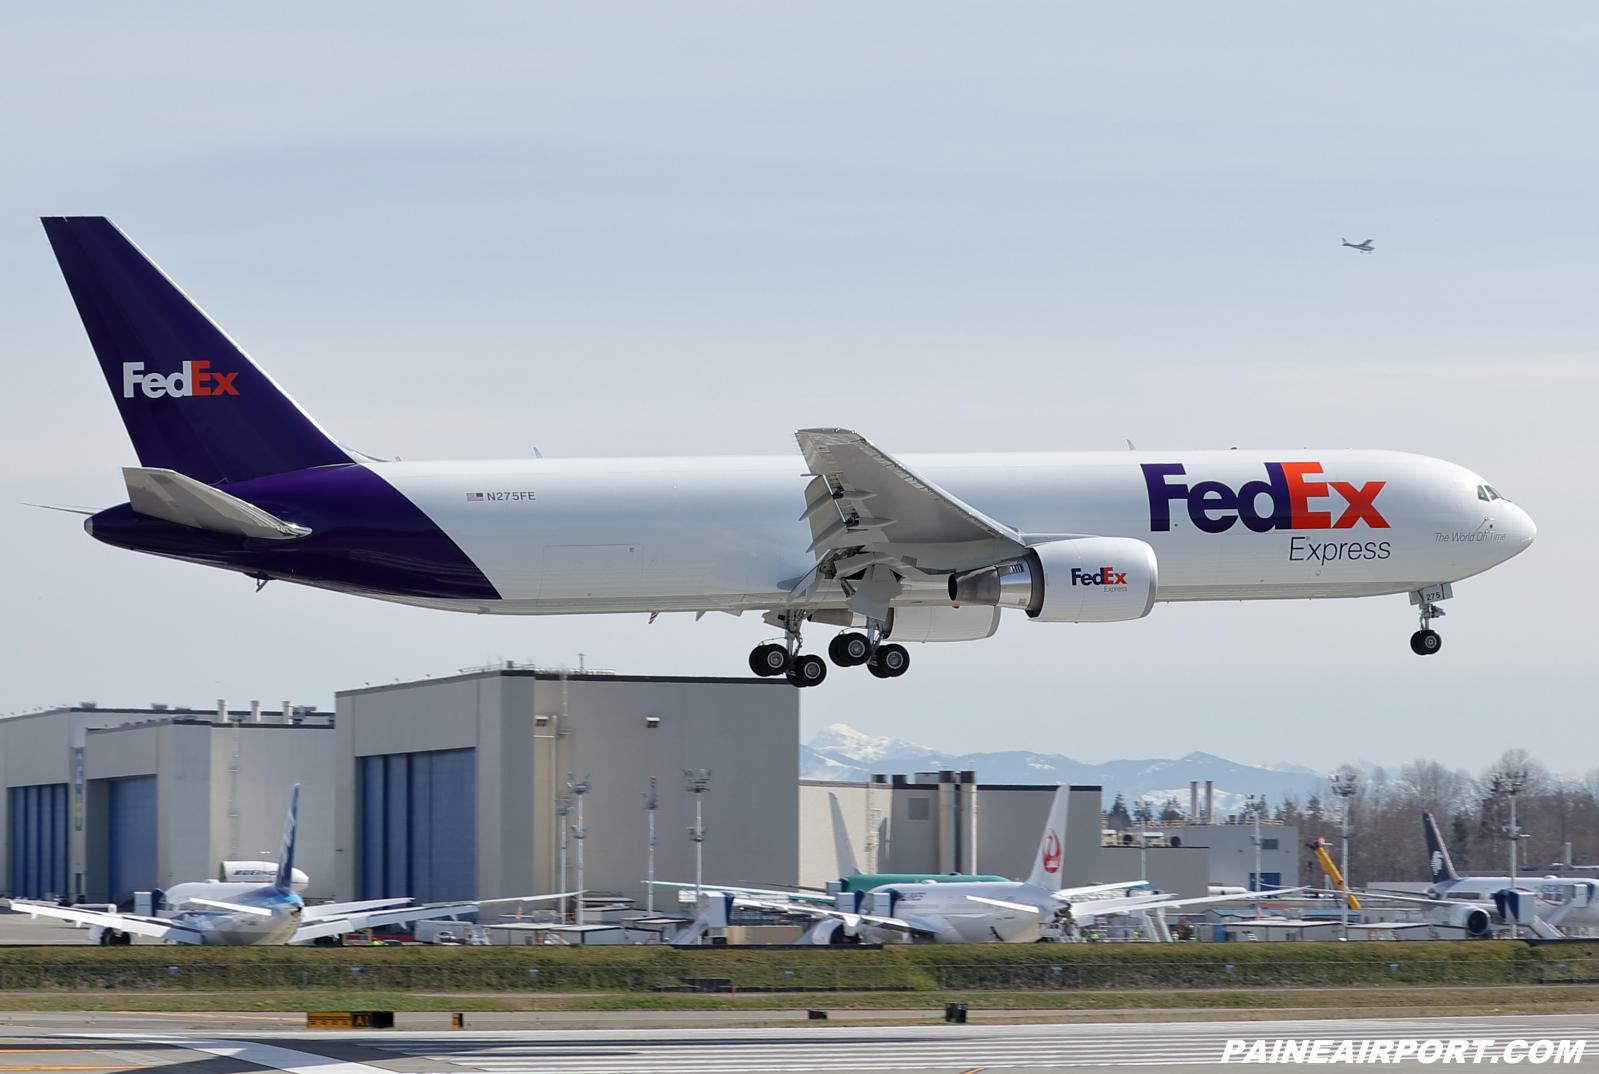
1232,852
100,803
947,822
454,788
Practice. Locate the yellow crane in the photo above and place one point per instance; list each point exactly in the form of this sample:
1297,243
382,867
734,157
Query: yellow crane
1337,878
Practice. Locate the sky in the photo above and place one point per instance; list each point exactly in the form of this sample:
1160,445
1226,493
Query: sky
476,229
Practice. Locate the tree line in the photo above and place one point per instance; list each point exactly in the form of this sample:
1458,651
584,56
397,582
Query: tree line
1472,812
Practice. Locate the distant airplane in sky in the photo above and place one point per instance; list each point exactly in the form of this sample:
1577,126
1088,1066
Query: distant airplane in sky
233,474
1363,247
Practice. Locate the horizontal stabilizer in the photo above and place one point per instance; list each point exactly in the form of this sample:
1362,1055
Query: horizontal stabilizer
169,495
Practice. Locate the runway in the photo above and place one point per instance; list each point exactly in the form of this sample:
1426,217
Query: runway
939,1049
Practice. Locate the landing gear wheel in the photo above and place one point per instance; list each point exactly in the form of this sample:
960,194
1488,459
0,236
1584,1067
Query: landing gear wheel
1425,642
890,661
807,670
849,649
768,660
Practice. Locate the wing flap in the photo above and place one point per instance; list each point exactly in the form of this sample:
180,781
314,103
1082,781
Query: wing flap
905,507
169,495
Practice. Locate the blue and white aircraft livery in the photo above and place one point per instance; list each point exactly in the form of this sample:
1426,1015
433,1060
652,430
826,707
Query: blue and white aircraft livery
1544,904
233,474
234,914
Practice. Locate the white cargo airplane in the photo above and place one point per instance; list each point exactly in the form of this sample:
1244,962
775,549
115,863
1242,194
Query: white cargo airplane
233,474
242,914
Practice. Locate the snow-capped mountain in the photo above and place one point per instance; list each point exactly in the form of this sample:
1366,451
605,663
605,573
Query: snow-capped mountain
841,753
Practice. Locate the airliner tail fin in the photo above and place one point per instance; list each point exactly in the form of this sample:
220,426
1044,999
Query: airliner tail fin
191,399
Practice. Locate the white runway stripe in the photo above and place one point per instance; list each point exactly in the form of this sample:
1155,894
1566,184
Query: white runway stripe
770,1051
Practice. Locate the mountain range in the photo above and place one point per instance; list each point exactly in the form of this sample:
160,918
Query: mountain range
841,753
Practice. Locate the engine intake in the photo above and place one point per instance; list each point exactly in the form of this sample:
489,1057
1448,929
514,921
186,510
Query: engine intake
1083,580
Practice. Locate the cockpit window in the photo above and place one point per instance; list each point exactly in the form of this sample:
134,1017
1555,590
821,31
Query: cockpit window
1488,493
1494,493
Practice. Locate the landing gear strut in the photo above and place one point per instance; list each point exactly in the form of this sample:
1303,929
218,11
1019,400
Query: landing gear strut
1426,641
771,659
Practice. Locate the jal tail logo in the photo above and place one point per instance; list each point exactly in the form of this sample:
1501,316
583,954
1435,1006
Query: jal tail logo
1215,507
1051,852
195,378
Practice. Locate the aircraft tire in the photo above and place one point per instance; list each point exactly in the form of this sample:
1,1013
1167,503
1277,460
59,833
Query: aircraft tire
807,670
1425,642
850,649
889,662
768,660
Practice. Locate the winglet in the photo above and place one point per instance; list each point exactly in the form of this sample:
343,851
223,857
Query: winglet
285,878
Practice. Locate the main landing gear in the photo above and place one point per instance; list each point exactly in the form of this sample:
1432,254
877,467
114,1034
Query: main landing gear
1426,641
849,649
802,669
852,649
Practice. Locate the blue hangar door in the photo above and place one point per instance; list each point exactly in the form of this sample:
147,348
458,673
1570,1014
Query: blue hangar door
419,825
132,859
39,841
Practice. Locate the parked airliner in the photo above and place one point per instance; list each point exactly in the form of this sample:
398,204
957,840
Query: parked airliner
233,474
248,913
971,910
1541,903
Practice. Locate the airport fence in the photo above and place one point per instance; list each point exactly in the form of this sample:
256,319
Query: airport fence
491,976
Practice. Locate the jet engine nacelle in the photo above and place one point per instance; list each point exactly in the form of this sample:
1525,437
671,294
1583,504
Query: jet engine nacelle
1471,918
1083,580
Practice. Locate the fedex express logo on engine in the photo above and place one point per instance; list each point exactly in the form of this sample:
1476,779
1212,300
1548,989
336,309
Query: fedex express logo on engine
194,378
1103,576
1290,486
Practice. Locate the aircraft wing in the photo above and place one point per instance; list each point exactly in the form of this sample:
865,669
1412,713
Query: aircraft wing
1068,894
871,498
1107,907
160,928
337,926
1006,905
345,909
713,888
852,920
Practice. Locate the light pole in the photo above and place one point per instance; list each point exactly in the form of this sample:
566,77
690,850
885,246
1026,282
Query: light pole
579,788
1344,786
1253,804
697,783
652,802
1510,783
563,809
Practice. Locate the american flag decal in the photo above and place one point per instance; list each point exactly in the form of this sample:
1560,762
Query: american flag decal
471,496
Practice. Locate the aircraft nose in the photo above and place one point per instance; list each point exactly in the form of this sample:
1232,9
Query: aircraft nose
1521,526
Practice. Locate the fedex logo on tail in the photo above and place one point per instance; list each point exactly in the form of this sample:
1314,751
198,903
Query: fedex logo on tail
1214,507
194,378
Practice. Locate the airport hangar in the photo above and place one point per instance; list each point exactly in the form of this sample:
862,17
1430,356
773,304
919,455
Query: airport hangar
451,788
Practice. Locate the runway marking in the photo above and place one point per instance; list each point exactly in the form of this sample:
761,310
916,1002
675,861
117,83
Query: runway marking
261,1055
780,1051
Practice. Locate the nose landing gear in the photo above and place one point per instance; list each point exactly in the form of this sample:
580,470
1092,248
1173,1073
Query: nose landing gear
1426,641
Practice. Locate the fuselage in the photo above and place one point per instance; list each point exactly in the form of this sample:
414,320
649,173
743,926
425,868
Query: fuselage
561,536
1550,892
275,924
950,916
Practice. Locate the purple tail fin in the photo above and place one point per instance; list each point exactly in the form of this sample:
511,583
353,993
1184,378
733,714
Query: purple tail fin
192,401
